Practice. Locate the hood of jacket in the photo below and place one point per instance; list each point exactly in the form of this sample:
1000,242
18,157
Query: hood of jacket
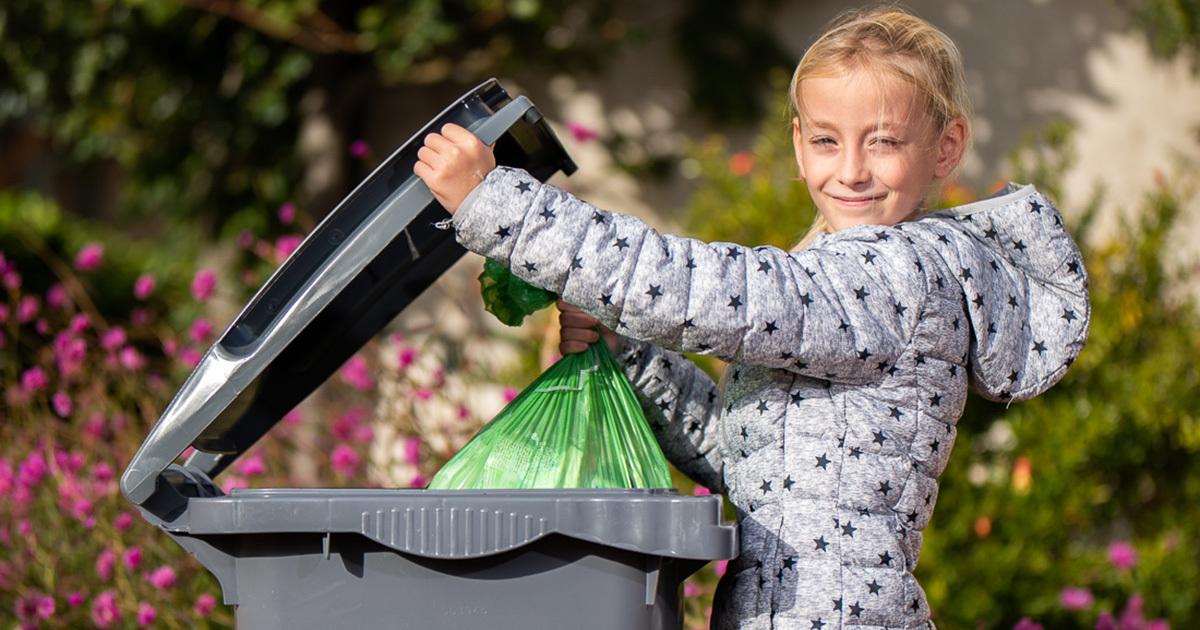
1024,288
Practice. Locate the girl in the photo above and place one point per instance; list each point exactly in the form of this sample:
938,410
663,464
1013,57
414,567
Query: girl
849,357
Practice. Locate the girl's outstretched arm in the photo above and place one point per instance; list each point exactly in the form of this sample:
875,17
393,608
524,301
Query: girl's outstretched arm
842,313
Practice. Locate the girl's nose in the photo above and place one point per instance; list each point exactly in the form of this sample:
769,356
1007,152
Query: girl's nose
853,168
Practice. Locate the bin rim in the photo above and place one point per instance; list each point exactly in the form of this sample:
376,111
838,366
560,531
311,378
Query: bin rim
369,258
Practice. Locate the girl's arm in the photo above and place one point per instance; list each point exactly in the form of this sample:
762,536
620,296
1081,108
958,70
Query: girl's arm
842,312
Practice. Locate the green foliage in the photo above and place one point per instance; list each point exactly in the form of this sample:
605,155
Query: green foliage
1173,26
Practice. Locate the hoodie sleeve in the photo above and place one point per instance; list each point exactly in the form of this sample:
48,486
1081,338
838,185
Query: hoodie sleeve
841,311
680,402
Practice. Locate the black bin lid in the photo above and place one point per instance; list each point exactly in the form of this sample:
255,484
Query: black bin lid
368,259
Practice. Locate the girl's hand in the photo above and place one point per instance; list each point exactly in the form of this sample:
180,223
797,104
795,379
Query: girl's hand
578,330
452,163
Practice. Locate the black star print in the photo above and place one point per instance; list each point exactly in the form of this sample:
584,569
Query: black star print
733,252
1013,377
688,323
1019,245
691,263
894,412
869,258
761,580
915,605
912,516
935,400
874,586
694,426
1068,315
821,544
855,452
785,355
861,293
892,370
855,610
883,236
882,367
796,398
1073,266
966,274
523,187
942,238
1035,207
880,437
885,558
994,265
577,263
978,300
735,301
1012,301
770,328
745,434
844,326
805,299
664,406
990,233
765,487
762,407
953,370
503,232
884,488
702,347
763,266
811,274
920,359
712,396
621,243
654,292
928,498
823,462
900,308
933,446
547,214
1039,347
955,323
788,483
598,218
789,562
848,529
530,267
606,299
991,328
941,282
817,624
863,354
837,604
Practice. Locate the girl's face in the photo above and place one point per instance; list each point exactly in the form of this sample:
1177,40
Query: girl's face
866,149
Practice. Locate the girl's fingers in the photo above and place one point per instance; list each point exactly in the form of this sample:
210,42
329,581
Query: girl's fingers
438,142
577,319
585,335
459,135
428,156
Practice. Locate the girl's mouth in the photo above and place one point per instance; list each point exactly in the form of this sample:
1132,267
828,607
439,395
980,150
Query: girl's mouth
857,201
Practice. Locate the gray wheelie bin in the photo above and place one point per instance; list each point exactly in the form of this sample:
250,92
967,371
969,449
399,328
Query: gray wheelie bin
333,558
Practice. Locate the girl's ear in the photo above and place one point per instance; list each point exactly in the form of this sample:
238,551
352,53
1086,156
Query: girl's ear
951,147
798,145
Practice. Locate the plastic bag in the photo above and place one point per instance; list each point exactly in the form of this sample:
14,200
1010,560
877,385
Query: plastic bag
579,425
508,297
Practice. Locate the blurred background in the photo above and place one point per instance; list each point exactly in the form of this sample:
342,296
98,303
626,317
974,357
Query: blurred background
158,160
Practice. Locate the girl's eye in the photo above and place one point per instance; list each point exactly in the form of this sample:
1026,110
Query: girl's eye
887,143
822,141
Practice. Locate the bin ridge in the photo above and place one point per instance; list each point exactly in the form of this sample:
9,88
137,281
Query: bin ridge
451,532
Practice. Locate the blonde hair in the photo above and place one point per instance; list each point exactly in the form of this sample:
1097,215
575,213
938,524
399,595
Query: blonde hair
891,41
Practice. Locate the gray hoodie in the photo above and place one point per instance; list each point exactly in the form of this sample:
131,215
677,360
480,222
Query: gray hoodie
850,362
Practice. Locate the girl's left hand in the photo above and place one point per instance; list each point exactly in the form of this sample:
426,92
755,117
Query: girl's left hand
452,163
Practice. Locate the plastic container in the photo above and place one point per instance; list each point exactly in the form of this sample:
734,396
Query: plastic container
324,558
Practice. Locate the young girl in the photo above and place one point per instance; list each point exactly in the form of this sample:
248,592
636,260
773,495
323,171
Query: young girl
849,357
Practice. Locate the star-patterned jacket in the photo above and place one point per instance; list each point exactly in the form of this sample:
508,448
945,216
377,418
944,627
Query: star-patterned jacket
850,362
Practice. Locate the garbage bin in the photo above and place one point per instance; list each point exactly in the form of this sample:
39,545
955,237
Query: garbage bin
324,558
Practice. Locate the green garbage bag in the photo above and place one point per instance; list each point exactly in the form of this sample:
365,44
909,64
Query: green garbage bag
579,425
508,297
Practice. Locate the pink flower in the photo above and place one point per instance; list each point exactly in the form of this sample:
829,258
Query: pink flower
189,357
344,460
509,394
203,284
245,239
61,403
285,245
7,477
1027,624
3,313
252,466
1074,598
139,317
105,562
113,338
363,434
1134,614
143,286
1158,624
105,611
287,213
581,132
720,567
1122,555
32,470
292,418
360,149
78,324
94,426
701,491
89,257
406,357
1106,621
102,472
204,604
34,607
75,599
24,528
131,359
418,481
201,329
691,589
146,614
424,393
56,296
42,326
132,558
412,450
33,379
345,425
28,308
356,375
162,578
12,280
235,482
123,521
69,354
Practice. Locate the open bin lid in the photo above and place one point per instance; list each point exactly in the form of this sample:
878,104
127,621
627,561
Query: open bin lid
368,259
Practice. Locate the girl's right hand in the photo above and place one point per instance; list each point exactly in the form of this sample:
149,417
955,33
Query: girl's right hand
578,330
